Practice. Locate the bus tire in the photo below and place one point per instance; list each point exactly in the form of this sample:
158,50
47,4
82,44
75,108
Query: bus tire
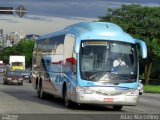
36,86
117,108
67,102
40,92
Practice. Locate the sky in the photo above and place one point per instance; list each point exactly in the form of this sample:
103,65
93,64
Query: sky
45,16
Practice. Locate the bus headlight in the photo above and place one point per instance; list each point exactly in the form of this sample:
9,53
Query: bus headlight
83,90
132,92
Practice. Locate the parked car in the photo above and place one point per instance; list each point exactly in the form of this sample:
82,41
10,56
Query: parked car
140,87
13,77
26,74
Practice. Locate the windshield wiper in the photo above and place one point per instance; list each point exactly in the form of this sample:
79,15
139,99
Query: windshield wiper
123,78
102,72
94,75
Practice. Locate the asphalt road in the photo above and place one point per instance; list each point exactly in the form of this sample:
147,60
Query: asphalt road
23,100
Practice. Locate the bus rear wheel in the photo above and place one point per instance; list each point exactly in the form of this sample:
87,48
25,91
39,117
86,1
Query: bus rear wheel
117,108
40,92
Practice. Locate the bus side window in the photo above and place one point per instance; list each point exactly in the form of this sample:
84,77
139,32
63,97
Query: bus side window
69,55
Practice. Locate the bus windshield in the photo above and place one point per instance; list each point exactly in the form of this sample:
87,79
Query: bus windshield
108,61
17,64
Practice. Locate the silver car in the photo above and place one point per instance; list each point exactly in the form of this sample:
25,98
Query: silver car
26,74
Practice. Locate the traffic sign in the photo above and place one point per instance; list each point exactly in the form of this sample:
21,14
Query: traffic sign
20,11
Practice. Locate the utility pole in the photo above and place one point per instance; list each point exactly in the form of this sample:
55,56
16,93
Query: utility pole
1,39
20,10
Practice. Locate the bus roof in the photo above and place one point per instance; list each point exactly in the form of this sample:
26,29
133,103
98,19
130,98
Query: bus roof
95,30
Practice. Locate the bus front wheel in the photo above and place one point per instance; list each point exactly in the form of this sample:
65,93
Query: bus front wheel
67,102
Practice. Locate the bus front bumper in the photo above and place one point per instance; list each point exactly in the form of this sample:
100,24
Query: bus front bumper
123,99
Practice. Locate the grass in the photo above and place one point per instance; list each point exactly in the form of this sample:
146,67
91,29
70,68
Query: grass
152,88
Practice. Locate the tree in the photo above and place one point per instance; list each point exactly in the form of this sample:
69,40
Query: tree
154,54
4,55
141,22
24,47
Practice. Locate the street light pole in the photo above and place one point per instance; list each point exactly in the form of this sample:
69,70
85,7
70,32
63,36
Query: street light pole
20,10
6,10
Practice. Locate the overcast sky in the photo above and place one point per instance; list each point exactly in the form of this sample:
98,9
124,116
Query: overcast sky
45,16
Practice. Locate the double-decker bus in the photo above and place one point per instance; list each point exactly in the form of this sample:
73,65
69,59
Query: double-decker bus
78,64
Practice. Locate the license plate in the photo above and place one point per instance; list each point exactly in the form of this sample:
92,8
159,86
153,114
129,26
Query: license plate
14,80
108,99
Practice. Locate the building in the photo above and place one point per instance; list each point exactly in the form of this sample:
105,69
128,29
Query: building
14,38
32,36
1,39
